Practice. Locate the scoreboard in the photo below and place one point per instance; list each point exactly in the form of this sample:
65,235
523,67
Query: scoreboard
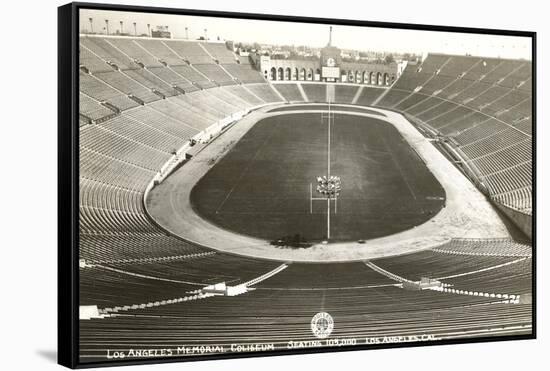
331,72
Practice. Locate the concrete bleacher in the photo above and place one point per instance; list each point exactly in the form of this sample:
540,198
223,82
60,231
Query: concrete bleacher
434,264
244,73
220,53
345,93
102,92
92,109
148,79
160,64
142,119
484,105
190,51
161,51
315,92
107,288
104,141
102,48
135,51
173,78
92,62
128,127
265,92
324,276
281,316
290,92
192,75
511,279
204,269
215,73
369,95
245,94
127,85
491,247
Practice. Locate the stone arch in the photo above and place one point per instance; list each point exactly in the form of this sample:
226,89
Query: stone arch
366,78
351,76
273,74
372,76
280,73
379,78
294,73
386,79
302,74
358,77
287,73
310,74
318,72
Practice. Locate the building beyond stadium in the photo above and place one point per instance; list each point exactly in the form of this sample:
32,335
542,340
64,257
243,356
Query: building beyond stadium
328,68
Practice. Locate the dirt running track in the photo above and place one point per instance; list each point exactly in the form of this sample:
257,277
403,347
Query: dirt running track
467,213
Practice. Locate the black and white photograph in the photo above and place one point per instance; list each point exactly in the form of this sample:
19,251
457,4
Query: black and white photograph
251,185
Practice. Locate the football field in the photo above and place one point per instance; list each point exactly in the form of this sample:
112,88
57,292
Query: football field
262,186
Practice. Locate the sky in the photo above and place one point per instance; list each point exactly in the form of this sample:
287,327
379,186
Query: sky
314,35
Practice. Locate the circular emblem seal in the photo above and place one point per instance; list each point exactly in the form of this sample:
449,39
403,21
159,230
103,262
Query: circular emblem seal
322,325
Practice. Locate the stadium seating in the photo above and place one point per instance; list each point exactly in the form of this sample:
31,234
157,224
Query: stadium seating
102,92
92,109
107,288
290,92
190,51
283,316
322,276
436,265
105,50
369,95
215,73
265,92
92,62
133,50
243,93
482,104
243,73
128,86
345,93
220,52
161,51
514,279
148,79
173,78
315,92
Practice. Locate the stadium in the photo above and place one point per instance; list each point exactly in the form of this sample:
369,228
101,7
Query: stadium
224,204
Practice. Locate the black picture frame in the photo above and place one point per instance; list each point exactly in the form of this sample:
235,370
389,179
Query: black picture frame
68,175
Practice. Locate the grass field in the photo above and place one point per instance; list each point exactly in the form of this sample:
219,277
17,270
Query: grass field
261,187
